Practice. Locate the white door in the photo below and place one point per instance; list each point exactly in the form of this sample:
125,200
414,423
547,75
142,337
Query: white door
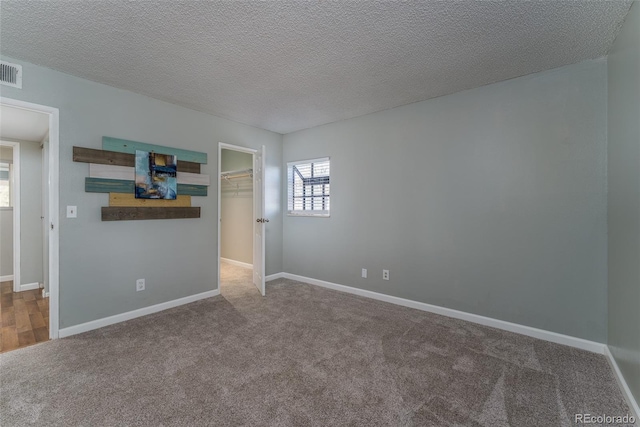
259,220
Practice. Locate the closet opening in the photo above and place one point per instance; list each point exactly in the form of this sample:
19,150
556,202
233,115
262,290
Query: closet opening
240,225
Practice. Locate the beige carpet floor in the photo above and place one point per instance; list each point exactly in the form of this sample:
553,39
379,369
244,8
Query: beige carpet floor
302,356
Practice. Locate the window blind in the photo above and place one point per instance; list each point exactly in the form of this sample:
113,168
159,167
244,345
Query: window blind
308,187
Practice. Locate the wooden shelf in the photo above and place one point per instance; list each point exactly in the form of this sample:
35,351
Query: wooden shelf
120,213
103,157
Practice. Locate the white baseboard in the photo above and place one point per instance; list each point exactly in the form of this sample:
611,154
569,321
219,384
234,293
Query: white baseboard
45,294
274,276
106,321
29,286
626,391
555,337
238,263
6,278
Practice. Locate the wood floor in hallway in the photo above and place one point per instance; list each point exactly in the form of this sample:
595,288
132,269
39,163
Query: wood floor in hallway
24,317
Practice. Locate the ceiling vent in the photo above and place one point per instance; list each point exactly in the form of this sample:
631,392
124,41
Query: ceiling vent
11,74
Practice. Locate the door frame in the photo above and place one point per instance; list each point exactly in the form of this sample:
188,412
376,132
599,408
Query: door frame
54,202
225,146
44,157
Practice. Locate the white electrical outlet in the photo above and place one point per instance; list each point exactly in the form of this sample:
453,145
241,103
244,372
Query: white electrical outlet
364,273
72,212
385,274
140,285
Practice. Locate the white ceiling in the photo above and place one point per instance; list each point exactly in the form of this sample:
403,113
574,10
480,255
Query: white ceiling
24,125
285,66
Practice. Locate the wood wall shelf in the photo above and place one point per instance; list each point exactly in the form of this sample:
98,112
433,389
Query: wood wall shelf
128,200
118,213
103,157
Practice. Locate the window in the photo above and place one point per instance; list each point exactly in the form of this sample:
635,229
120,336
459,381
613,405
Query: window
6,172
308,187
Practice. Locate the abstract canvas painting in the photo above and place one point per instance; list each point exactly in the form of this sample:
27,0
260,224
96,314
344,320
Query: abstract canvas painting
156,175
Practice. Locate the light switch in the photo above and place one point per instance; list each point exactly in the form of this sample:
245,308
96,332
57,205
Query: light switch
72,212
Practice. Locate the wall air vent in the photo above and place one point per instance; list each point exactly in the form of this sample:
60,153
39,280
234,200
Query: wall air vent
11,74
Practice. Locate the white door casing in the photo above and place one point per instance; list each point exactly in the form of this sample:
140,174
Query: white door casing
45,212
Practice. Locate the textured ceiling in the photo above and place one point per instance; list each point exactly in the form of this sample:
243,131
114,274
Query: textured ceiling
286,66
23,125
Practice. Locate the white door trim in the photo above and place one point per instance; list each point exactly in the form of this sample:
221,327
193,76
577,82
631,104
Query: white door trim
221,146
44,158
15,189
54,197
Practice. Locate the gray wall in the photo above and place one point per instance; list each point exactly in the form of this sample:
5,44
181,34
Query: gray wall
100,261
232,160
31,240
6,226
624,200
491,201
236,209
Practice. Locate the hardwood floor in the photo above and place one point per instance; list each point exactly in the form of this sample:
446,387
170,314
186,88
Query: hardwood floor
24,317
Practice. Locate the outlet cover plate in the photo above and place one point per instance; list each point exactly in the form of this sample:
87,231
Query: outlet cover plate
72,212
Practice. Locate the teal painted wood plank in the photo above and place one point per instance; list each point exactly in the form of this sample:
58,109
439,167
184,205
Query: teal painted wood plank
101,185
192,190
126,146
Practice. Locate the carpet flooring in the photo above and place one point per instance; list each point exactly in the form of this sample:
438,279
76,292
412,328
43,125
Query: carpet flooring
302,356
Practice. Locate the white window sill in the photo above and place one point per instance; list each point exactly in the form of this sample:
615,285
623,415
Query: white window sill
309,215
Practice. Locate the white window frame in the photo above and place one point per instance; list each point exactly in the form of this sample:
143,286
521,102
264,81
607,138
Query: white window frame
305,213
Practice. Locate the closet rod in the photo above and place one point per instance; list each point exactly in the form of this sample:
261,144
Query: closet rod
236,174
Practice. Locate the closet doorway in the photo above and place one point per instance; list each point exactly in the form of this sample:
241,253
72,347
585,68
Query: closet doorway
241,239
